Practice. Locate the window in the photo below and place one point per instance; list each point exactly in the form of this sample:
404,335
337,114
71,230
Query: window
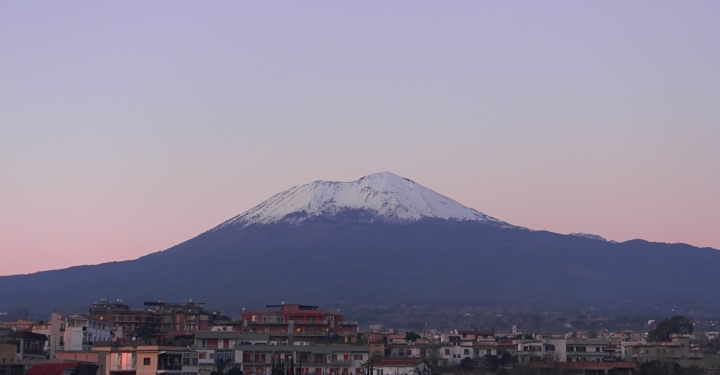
466,352
189,359
146,361
447,351
273,319
358,357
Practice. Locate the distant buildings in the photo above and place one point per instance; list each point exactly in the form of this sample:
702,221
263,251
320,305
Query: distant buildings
188,339
157,319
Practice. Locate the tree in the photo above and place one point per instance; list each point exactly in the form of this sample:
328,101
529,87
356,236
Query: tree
467,364
411,336
678,324
491,362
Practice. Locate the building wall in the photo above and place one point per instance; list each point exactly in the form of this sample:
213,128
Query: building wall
7,352
340,359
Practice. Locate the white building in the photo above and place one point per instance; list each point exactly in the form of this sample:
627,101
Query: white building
81,332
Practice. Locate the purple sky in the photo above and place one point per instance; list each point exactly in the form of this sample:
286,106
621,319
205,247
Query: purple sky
128,127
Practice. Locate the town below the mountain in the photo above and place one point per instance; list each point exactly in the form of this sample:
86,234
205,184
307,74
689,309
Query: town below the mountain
291,339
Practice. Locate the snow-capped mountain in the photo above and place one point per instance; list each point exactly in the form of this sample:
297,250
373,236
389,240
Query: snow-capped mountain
348,249
386,196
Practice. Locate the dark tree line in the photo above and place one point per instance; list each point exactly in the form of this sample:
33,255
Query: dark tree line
678,324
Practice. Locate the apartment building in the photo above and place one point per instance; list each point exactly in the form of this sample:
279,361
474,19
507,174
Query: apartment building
28,345
80,332
678,350
147,359
312,359
159,319
290,322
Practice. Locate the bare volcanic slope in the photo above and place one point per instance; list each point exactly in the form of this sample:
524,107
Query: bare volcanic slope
384,239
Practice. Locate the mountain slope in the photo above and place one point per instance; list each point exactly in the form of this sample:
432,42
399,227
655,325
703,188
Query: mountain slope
359,255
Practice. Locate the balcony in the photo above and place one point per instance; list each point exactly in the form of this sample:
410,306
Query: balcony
169,367
122,368
33,352
311,333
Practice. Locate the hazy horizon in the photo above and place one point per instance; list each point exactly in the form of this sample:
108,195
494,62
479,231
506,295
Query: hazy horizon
127,128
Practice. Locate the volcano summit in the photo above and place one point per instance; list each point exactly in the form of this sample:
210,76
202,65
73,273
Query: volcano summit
385,239
381,196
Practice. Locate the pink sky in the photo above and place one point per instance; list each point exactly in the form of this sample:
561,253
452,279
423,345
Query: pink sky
126,128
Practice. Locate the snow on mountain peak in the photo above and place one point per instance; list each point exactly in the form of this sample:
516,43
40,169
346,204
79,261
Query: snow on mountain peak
387,195
588,235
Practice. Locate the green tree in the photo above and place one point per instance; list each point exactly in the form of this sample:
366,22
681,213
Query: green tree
678,324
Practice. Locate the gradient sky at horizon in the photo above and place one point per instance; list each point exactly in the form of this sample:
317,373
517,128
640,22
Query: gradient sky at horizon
129,127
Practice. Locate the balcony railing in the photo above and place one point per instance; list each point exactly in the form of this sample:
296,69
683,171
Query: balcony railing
122,368
170,367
